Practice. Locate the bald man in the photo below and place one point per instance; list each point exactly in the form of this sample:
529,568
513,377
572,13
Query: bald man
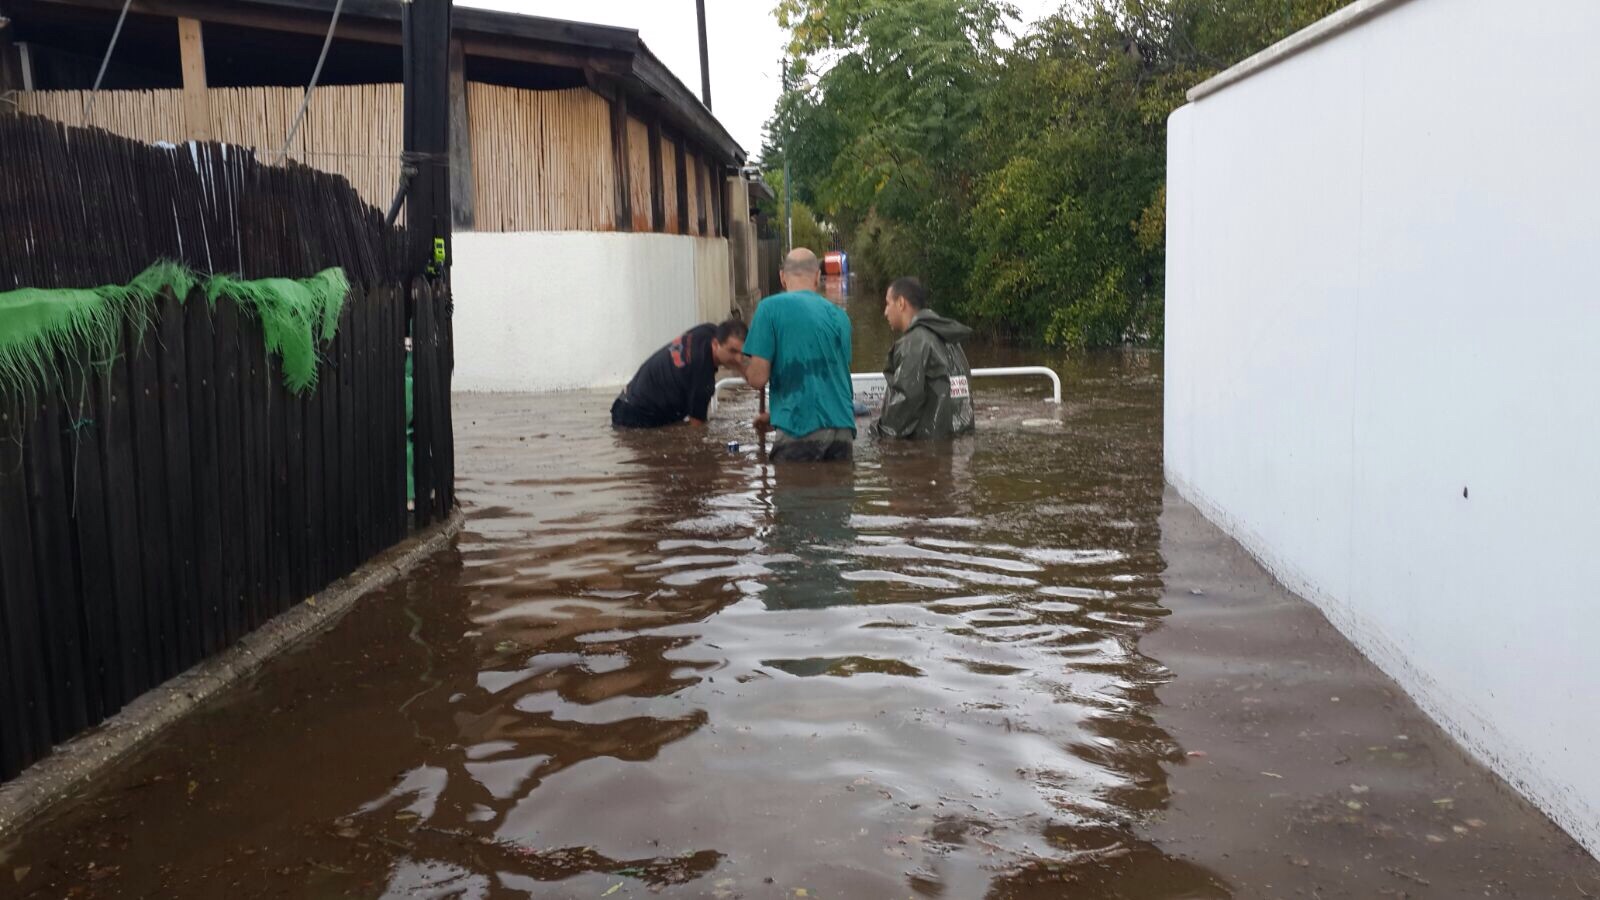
799,348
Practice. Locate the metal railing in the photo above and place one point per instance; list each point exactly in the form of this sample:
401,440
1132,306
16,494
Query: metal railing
860,378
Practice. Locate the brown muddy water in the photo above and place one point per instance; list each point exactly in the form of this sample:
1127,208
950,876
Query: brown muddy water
655,666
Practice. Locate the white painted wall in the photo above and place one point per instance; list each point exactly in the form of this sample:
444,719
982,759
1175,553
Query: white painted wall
1381,292
543,311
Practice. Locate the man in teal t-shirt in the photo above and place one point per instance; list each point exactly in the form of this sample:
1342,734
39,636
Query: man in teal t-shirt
799,345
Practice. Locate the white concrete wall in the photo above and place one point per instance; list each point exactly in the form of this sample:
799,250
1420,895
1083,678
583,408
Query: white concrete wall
1382,371
543,311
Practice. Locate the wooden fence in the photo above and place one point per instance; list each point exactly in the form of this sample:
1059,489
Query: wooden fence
158,505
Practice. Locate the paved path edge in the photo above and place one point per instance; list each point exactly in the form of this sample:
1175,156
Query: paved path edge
77,762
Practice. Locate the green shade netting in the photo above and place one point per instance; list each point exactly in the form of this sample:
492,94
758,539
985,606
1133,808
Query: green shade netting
38,325
297,316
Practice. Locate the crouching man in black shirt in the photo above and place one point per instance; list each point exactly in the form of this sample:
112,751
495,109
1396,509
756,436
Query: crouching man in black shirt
678,380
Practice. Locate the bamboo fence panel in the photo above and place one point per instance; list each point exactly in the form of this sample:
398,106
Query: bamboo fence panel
639,173
669,182
349,130
147,116
541,160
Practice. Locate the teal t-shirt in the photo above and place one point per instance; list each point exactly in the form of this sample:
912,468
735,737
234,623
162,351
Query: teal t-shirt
807,341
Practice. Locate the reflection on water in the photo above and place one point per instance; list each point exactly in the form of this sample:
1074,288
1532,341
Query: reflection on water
662,666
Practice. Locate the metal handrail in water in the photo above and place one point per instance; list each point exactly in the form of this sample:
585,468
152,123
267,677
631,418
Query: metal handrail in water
864,377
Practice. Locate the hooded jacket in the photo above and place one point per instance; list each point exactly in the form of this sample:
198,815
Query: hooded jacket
928,393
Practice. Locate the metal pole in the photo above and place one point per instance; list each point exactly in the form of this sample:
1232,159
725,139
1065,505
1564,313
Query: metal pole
705,56
788,189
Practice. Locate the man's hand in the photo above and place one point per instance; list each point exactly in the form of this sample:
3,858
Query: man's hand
763,423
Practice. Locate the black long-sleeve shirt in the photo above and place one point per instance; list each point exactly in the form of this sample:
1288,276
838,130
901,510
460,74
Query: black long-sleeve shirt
677,380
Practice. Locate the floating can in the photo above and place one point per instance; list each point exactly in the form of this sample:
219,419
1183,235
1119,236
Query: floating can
733,446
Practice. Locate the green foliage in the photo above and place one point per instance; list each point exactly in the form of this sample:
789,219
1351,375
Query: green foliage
808,232
84,326
1027,185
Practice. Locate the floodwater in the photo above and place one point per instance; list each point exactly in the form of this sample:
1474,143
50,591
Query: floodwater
657,666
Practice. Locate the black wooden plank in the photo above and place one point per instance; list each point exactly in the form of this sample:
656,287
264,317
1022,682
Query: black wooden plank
379,418
447,431
361,494
256,437
121,475
312,489
173,362
234,526
124,566
29,715
348,425
423,348
92,554
150,480
200,341
328,387
383,418
14,751
279,560
58,596
294,489
397,398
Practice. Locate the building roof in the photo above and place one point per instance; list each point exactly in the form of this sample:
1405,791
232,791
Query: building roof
499,43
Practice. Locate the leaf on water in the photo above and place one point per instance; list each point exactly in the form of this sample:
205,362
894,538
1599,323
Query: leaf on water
193,786
1272,774
1446,801
1359,788
1435,839
613,889
1476,823
1353,804
21,872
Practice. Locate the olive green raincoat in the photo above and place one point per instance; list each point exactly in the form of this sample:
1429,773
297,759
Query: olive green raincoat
929,391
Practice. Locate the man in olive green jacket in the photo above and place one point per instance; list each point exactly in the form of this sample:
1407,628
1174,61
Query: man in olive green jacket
928,392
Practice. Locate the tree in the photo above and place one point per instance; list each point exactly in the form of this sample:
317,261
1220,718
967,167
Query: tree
1027,185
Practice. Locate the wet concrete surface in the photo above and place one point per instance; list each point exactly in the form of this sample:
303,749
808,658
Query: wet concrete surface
653,666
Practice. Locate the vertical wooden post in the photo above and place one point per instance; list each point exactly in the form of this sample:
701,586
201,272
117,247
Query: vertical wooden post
14,74
658,202
10,59
683,185
196,99
463,198
428,132
702,196
619,157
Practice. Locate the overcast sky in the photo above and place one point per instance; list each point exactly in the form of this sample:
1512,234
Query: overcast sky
746,44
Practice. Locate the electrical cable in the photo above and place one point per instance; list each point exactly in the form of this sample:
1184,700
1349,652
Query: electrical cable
88,105
316,75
